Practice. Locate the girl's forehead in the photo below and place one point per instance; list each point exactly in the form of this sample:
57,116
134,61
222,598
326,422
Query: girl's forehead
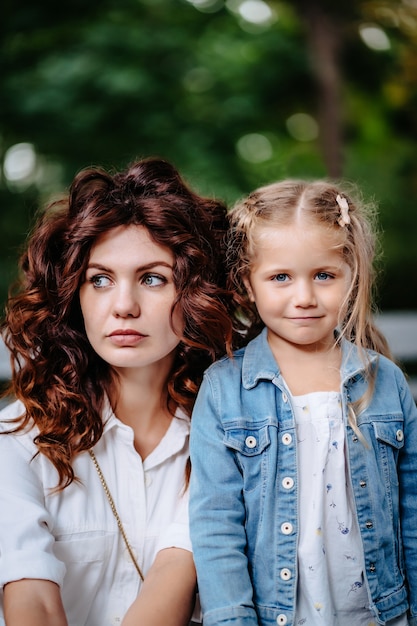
311,234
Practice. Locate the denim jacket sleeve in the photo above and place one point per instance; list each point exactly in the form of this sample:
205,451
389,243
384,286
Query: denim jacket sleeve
217,517
388,495
407,473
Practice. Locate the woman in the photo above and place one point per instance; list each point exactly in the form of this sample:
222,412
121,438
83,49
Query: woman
120,308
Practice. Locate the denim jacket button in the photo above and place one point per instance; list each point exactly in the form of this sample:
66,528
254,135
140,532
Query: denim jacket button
362,483
286,528
369,524
250,441
288,482
282,619
286,439
399,435
285,573
284,397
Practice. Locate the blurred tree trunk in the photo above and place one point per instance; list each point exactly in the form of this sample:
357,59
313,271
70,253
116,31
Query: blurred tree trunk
324,39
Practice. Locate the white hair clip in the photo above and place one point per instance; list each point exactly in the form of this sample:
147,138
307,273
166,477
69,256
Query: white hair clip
344,211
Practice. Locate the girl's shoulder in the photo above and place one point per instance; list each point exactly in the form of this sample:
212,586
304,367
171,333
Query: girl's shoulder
391,382
246,365
356,360
386,365
227,363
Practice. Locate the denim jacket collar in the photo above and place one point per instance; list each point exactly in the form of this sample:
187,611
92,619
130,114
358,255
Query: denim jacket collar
259,362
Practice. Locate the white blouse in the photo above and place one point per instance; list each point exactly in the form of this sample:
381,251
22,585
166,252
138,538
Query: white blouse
71,537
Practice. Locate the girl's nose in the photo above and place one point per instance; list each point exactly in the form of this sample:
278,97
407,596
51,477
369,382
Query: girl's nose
126,303
304,294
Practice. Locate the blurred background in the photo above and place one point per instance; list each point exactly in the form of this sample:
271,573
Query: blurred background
236,93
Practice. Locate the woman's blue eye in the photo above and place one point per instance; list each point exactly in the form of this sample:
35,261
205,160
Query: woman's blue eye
99,281
153,280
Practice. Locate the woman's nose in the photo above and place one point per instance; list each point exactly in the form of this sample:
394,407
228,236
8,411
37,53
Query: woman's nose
126,303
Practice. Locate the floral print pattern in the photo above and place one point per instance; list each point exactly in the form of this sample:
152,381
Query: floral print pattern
331,586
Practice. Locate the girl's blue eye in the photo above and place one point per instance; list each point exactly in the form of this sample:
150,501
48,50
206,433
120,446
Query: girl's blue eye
153,280
323,275
281,277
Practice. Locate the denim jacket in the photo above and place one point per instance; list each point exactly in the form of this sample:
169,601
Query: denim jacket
244,502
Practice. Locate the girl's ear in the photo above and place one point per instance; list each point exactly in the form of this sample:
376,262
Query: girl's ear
248,287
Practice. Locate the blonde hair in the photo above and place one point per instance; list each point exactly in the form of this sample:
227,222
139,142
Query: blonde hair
316,203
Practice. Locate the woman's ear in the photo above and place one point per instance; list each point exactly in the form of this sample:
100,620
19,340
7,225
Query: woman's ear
248,287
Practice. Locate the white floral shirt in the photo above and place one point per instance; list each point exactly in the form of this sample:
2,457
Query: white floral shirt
331,587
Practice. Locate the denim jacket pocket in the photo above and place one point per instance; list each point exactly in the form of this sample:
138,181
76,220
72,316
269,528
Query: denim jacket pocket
391,433
248,441
389,436
250,445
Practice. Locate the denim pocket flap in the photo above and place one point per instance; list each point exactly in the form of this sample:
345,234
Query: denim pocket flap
248,441
391,433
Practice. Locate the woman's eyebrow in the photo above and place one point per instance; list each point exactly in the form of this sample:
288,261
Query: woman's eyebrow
140,268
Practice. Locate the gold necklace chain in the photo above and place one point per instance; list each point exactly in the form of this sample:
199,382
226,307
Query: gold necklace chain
115,513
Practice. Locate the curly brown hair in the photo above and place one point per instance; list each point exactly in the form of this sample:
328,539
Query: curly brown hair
57,375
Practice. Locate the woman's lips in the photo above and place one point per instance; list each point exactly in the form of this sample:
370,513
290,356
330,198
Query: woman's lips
126,337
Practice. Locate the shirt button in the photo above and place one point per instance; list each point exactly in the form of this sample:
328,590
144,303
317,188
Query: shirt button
148,480
286,528
286,439
399,435
282,619
285,573
250,441
287,482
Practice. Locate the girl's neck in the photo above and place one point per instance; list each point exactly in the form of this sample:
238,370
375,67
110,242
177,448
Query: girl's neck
306,371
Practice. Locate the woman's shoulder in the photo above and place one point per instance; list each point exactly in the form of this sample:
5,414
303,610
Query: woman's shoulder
11,410
8,416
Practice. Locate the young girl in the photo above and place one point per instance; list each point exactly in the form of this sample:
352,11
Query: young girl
120,308
303,497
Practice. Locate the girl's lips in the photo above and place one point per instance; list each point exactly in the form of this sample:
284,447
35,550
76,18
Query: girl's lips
305,320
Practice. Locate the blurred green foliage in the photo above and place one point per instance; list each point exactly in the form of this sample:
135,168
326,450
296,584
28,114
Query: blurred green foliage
103,83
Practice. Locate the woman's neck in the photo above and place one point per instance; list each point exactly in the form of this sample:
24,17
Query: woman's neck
141,402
